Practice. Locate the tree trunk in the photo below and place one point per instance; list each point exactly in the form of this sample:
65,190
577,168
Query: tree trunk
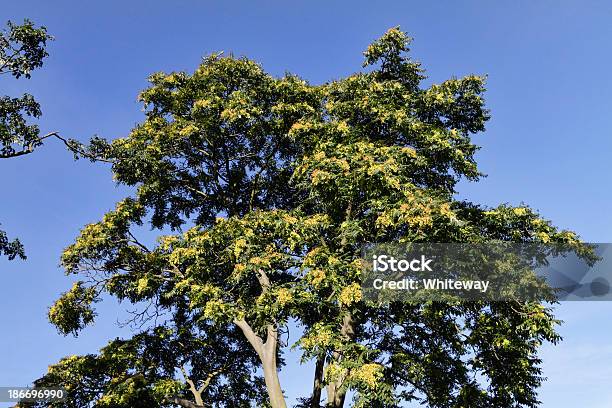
336,393
275,392
315,400
267,355
266,351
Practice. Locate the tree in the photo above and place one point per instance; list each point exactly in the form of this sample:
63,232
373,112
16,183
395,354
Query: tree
22,49
280,184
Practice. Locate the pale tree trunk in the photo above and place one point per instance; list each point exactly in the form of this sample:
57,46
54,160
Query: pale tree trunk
266,351
275,392
267,354
336,393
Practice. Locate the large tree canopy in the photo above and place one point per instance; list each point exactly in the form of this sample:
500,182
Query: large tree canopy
272,186
22,49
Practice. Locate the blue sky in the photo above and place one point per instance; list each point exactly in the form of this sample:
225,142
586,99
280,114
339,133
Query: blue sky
548,143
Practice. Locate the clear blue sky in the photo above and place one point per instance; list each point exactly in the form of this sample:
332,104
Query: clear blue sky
548,143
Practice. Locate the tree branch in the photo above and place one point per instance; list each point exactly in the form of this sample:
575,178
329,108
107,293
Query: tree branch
29,148
209,378
251,336
197,394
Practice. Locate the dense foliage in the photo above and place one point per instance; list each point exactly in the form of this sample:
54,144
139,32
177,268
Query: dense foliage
22,49
272,186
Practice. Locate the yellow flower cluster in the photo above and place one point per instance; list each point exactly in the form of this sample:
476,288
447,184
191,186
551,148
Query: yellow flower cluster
202,103
520,211
319,176
310,259
239,247
368,374
316,277
544,237
188,130
350,294
318,337
179,255
334,371
283,296
239,268
343,127
143,283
